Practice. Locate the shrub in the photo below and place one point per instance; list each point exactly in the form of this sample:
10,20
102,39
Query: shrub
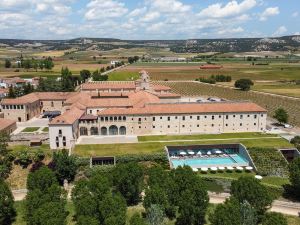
244,84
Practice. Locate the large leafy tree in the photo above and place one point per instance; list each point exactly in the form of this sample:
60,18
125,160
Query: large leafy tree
67,80
155,215
249,189
243,84
7,210
64,166
45,199
5,157
294,175
84,75
273,218
227,213
190,195
136,219
128,180
281,115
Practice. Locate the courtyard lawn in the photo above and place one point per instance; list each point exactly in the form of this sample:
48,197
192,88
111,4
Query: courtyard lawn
204,136
158,147
44,148
30,129
46,129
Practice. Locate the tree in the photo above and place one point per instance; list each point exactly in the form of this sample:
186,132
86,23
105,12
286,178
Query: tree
273,218
7,210
113,209
67,80
128,179
85,74
155,215
136,219
7,63
11,92
281,115
248,214
243,84
5,157
64,166
249,189
227,213
45,200
294,175
50,213
41,179
296,141
84,220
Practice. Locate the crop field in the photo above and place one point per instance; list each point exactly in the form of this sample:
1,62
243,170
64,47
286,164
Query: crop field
271,103
191,71
77,67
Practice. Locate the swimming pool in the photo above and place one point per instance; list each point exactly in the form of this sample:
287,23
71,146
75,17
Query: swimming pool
232,160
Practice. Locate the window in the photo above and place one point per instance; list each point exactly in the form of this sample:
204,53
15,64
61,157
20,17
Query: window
241,116
262,115
212,125
198,117
220,116
169,118
233,116
64,141
102,118
254,124
140,127
161,117
176,117
183,118
153,119
205,117
255,116
91,111
183,126
111,118
241,124
197,125
226,117
212,117
124,118
106,118
226,124
153,126
60,132
248,115
52,104
168,126
191,117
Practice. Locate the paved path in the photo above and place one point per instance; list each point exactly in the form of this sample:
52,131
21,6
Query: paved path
285,207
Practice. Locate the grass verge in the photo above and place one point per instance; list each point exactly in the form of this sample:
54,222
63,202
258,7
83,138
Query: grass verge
30,129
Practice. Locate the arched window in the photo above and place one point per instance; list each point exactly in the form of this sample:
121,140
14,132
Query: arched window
83,131
94,131
113,130
122,130
103,131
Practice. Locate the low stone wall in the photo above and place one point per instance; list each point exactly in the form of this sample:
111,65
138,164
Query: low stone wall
29,136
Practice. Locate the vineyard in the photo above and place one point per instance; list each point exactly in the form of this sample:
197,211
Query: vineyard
270,102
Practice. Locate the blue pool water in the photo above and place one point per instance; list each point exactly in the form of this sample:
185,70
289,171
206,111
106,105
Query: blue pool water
234,160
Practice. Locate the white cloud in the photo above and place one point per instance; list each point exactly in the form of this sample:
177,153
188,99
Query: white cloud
4,4
272,11
295,14
297,33
280,31
232,8
157,27
150,16
137,12
169,6
99,9
229,31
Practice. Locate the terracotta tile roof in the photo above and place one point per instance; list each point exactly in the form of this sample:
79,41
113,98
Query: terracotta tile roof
100,85
69,117
30,98
88,117
187,108
54,95
4,123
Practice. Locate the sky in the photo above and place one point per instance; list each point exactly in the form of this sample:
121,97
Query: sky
148,19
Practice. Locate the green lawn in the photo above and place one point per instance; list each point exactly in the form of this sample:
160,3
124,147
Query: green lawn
46,129
30,129
203,136
158,147
123,76
270,181
45,148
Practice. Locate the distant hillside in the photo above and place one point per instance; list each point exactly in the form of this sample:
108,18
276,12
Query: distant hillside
180,46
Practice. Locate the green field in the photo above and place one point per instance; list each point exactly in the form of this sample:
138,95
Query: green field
158,147
123,76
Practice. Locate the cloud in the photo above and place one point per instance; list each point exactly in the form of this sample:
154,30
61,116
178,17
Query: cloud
231,31
297,33
232,8
99,9
137,12
272,11
295,14
150,16
169,6
9,4
280,31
